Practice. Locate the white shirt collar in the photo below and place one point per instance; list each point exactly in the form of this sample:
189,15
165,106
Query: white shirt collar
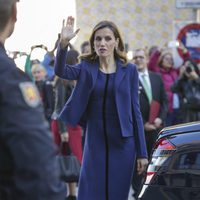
145,72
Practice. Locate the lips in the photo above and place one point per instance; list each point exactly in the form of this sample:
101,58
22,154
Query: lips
102,50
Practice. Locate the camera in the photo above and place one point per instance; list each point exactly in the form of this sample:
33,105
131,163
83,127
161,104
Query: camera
189,69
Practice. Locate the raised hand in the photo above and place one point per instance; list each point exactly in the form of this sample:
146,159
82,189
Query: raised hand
67,32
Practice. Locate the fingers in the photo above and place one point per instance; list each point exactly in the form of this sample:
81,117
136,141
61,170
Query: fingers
138,165
67,32
77,31
139,168
63,23
141,165
70,21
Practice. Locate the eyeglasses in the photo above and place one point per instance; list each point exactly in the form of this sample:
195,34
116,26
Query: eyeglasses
140,57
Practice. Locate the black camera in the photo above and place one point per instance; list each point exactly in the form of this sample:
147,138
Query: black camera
189,69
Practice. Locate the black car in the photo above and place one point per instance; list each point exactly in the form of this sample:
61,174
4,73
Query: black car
174,169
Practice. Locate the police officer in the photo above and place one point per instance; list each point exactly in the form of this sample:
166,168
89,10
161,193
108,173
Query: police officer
28,169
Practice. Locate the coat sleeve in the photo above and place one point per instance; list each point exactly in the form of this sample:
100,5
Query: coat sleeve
137,117
153,62
70,72
177,85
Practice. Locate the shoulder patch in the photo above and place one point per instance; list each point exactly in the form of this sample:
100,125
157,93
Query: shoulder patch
30,94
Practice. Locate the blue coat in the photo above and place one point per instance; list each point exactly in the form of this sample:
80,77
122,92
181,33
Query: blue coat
126,96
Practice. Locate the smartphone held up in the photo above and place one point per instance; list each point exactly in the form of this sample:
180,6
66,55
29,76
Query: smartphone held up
173,44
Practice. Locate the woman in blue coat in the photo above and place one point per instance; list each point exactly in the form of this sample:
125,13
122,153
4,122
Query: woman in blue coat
105,102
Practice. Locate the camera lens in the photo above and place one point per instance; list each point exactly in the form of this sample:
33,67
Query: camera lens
188,69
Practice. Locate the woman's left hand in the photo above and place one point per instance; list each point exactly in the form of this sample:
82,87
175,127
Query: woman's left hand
141,165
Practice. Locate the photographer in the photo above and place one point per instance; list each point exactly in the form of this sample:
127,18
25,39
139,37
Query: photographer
188,88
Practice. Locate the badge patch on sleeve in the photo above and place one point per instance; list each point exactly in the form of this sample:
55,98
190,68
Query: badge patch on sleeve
30,93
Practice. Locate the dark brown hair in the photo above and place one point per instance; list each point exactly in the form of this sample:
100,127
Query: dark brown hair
119,53
83,45
5,12
72,57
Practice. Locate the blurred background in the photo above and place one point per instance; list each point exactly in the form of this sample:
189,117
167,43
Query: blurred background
143,23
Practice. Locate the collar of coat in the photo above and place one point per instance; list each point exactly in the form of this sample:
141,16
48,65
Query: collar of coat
120,72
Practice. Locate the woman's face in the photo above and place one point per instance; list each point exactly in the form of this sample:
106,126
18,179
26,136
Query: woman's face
167,61
105,42
38,74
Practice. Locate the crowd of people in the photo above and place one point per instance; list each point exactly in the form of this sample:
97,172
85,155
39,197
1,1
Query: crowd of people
106,109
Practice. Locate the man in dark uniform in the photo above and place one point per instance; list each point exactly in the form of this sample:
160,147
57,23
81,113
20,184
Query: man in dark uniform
28,167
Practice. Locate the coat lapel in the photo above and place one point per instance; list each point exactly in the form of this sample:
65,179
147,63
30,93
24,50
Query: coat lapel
120,73
94,70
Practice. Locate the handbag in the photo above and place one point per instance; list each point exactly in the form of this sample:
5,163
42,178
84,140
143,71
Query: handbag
69,167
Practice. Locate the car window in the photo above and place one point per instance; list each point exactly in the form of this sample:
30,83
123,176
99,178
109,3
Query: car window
189,160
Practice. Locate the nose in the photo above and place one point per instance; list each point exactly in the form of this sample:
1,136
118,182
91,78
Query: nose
102,43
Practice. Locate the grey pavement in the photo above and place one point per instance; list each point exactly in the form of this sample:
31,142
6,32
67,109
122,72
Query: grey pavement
130,195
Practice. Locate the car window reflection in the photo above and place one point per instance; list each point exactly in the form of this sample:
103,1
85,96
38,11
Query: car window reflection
189,161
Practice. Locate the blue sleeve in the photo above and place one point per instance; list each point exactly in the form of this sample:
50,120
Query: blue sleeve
48,59
137,117
62,69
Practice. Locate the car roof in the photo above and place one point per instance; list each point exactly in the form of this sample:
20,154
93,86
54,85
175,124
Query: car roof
180,128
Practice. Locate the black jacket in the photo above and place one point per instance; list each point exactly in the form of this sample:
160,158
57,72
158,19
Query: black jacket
158,94
62,91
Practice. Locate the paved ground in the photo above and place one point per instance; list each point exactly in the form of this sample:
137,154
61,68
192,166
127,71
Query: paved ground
130,195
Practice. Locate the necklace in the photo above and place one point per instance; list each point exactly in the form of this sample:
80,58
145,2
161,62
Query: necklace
108,69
